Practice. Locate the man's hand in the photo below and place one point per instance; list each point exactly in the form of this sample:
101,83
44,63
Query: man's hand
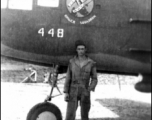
90,89
66,97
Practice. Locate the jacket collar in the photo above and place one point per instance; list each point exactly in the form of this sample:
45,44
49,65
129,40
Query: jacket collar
76,59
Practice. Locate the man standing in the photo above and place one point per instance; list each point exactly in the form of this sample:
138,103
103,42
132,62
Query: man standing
78,83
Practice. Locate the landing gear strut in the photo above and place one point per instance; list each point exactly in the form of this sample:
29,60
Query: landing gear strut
47,110
54,84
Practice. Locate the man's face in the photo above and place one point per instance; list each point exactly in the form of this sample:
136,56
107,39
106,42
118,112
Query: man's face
81,50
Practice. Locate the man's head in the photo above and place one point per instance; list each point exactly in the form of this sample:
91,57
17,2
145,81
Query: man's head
80,48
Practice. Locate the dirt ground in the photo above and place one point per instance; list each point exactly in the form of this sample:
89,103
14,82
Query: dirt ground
108,102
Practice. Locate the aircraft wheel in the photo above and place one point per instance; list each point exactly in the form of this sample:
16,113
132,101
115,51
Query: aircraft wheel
44,111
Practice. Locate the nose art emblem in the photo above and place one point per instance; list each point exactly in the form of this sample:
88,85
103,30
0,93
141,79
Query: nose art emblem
80,8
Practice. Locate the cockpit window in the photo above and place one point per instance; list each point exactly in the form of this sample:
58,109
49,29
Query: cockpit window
20,4
48,3
3,3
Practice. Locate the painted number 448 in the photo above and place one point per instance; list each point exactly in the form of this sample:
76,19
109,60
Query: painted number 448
59,32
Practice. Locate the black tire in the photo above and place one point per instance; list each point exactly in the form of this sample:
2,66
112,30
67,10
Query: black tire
43,107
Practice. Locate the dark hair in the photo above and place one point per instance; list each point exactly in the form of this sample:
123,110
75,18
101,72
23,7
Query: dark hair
79,42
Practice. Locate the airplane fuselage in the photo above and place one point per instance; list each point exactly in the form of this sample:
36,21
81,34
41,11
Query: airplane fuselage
117,33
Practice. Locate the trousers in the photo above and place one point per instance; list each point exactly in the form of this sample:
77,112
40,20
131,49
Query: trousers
85,105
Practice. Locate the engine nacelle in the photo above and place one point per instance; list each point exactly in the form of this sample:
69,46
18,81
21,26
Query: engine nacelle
145,84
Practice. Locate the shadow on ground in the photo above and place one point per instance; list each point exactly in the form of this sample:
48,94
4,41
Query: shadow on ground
126,109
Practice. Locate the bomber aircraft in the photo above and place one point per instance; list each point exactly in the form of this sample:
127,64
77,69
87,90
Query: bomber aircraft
117,34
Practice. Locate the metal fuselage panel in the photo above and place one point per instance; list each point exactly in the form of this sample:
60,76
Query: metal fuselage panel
110,37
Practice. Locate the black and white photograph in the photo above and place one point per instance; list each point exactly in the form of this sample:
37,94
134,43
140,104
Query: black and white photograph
75,59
